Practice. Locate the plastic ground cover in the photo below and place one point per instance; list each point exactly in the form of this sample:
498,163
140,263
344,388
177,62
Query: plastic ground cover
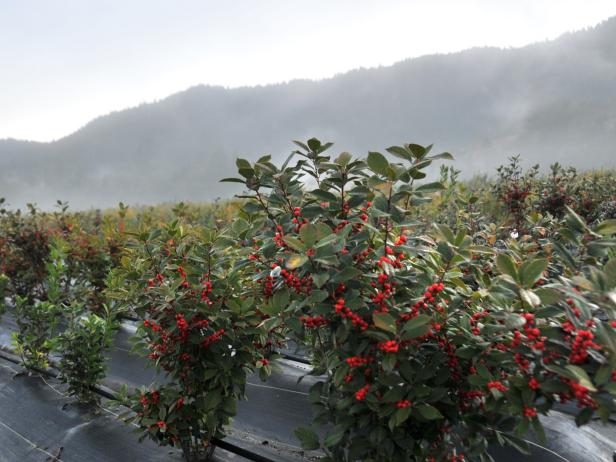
265,422
38,423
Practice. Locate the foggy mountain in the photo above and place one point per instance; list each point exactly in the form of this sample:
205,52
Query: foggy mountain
550,101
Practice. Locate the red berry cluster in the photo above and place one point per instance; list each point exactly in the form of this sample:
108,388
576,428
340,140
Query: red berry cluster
364,216
391,258
391,346
358,361
428,298
278,237
183,276
497,385
403,403
182,326
533,334
215,337
298,220
381,296
314,322
360,394
346,313
206,291
268,286
583,341
475,318
300,285
533,384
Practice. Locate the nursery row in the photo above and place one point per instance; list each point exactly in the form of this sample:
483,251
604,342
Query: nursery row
440,317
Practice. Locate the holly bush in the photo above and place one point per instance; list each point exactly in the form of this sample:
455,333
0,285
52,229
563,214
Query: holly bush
431,345
24,251
514,188
37,320
81,347
556,190
197,328
4,281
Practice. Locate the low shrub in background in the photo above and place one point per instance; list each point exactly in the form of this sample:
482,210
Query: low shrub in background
24,251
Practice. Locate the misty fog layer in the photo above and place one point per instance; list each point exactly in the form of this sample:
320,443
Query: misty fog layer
553,101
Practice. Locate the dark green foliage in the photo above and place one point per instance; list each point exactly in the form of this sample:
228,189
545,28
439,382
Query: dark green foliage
82,363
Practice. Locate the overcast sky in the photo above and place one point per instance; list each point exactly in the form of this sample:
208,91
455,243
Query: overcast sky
64,62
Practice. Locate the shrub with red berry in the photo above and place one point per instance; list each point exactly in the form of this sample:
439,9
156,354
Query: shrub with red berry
514,189
24,250
556,190
196,328
420,360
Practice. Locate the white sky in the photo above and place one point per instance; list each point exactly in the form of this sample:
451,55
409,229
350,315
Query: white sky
64,62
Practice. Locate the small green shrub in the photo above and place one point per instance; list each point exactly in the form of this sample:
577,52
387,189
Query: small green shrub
37,320
82,346
4,280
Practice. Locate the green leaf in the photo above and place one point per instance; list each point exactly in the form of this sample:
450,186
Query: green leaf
416,327
212,399
385,321
399,417
417,150
314,144
308,233
530,297
575,222
548,295
232,180
514,321
581,376
418,321
308,439
429,412
243,163
583,417
446,232
400,152
320,279
294,243
506,265
565,254
330,239
606,228
531,271
430,187
346,274
317,296
335,436
281,299
324,195
442,155
378,163
295,261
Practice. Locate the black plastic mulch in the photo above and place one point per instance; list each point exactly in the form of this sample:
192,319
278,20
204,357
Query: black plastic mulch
264,424
39,424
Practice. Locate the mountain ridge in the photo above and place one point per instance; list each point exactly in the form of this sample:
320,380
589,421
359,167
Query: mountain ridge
545,101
